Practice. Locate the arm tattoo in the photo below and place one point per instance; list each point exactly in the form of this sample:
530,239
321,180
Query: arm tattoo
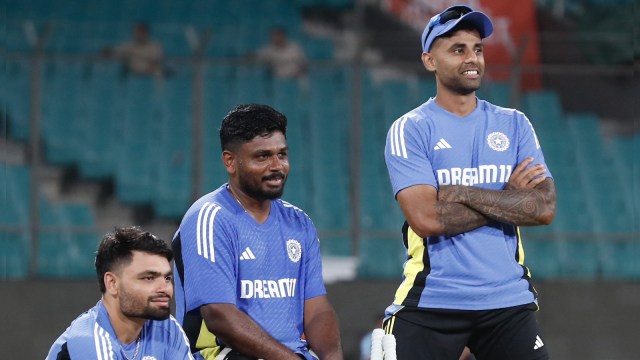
457,218
517,206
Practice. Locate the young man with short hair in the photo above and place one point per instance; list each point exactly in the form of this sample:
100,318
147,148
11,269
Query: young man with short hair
132,320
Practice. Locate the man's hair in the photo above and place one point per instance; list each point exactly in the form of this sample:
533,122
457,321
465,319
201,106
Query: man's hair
245,122
116,249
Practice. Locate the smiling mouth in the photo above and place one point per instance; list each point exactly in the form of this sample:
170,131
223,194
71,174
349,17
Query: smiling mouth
471,72
162,300
274,179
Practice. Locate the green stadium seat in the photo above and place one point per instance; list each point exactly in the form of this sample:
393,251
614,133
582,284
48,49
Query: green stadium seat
17,100
579,258
317,48
620,259
497,93
14,255
381,258
542,257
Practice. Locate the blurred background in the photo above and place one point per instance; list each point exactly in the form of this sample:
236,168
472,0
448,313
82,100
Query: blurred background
110,116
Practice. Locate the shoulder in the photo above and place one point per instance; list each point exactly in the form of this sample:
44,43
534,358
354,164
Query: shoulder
84,331
293,213
83,323
420,117
420,114
169,327
502,113
210,207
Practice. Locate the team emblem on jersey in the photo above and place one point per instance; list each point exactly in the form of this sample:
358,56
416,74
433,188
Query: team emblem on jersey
498,141
294,250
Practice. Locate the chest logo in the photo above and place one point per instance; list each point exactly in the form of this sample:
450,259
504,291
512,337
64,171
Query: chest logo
498,141
294,250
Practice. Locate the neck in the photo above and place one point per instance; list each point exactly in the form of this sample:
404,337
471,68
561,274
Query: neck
461,105
127,329
257,209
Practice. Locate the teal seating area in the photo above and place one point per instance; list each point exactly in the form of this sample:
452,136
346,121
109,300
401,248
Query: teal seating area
138,132
67,238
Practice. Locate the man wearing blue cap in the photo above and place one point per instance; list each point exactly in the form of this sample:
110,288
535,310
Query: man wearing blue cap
466,174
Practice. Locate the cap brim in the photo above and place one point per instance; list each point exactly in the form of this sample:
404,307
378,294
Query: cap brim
477,19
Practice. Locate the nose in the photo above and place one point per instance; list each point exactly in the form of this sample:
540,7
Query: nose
166,287
472,57
277,163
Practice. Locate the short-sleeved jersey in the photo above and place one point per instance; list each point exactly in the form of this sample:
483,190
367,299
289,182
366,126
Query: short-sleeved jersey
91,336
268,270
483,268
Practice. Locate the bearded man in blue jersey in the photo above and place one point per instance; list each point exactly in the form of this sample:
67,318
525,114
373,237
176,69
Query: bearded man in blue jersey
132,320
249,282
466,174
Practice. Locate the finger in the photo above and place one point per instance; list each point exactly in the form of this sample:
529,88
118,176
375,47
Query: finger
523,164
534,171
535,181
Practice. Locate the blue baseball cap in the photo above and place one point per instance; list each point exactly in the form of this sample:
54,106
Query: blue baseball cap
450,18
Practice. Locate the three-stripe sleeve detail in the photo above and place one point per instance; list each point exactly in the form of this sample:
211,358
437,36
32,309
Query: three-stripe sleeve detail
396,138
104,349
205,230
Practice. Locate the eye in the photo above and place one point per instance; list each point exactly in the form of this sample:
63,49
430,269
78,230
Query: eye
148,278
168,278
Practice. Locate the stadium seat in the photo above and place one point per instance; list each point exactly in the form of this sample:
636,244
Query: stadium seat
17,100
14,255
381,258
620,259
579,257
542,257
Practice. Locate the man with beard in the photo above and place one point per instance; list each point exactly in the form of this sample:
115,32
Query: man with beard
249,282
466,174
132,320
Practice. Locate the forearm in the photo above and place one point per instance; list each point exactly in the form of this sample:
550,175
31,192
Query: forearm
454,218
524,207
244,335
323,337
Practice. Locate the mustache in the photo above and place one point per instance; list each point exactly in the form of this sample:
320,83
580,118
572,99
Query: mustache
274,176
160,297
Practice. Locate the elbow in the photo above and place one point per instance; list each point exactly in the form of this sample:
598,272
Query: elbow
546,216
426,228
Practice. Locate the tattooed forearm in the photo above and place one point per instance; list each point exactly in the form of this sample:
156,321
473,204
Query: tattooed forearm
514,206
455,218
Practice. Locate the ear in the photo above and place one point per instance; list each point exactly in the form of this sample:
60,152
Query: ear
111,282
429,62
229,161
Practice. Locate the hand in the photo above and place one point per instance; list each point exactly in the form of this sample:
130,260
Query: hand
524,177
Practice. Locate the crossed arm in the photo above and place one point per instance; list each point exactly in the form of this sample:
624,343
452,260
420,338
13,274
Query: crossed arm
527,199
241,333
244,335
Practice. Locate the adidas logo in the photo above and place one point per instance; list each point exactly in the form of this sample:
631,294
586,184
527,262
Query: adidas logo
538,344
442,144
247,255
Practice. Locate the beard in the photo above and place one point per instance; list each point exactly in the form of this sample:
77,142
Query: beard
133,306
461,86
256,191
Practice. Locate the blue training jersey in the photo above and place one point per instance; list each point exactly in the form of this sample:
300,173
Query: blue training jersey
482,268
223,256
91,336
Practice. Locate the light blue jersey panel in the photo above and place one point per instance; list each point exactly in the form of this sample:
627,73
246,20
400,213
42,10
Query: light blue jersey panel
91,337
267,270
479,269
